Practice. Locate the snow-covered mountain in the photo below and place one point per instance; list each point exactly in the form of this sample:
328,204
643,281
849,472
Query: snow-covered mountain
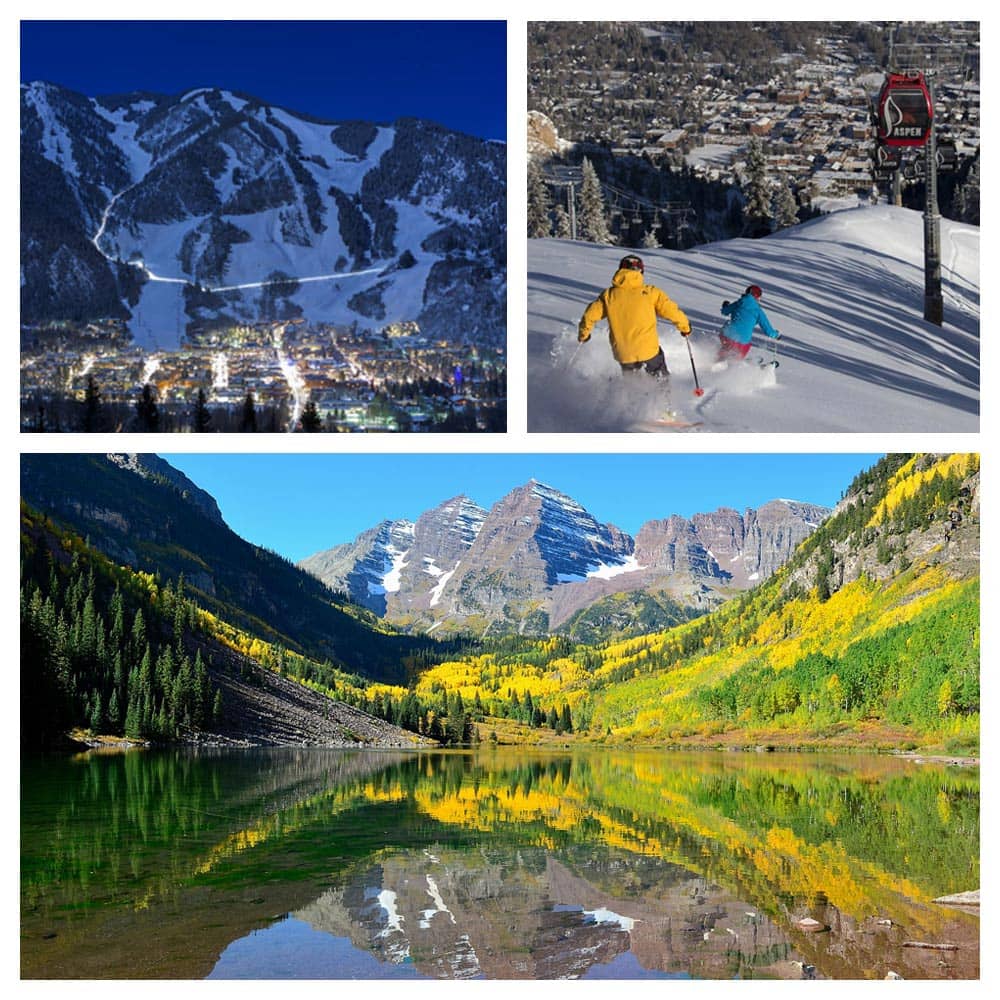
846,291
401,564
538,557
174,211
369,567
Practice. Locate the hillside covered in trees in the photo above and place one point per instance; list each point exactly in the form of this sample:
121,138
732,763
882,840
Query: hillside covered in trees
108,652
868,636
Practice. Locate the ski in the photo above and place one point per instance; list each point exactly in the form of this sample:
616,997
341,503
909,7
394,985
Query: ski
668,424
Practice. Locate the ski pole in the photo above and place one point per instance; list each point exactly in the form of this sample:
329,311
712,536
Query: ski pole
698,391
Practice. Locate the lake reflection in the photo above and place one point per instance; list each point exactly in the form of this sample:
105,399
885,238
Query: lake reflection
497,864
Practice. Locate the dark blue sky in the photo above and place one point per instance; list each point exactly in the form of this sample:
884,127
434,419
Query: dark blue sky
451,72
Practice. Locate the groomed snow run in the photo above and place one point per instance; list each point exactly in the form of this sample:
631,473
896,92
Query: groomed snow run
846,291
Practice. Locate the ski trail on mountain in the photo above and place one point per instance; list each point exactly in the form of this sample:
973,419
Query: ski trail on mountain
153,276
301,281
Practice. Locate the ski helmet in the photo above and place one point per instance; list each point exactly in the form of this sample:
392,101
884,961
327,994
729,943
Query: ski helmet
631,263
754,290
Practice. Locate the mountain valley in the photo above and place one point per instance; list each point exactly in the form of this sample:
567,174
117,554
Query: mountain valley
863,629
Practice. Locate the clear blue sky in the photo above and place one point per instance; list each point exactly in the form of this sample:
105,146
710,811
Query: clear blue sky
450,72
301,504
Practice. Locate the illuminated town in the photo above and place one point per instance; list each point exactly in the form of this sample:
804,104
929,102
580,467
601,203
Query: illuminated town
282,376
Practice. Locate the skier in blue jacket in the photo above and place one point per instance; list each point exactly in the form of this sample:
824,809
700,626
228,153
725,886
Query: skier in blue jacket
744,315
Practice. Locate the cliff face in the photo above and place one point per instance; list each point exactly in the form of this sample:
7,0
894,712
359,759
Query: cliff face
927,511
442,538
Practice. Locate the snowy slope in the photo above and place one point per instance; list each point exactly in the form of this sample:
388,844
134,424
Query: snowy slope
846,293
182,213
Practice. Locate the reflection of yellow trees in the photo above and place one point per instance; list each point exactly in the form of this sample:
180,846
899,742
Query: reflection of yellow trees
641,806
768,830
855,888
492,809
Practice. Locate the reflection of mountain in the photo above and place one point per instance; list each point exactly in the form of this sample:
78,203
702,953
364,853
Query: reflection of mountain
502,864
529,916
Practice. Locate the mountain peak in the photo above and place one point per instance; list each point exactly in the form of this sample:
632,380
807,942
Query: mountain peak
248,190
538,556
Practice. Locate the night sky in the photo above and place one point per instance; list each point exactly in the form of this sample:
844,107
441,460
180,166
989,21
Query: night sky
450,72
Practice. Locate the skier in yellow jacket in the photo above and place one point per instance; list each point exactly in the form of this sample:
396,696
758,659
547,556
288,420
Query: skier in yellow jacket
631,307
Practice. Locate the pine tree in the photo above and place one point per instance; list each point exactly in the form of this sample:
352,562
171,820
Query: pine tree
967,204
563,228
310,421
528,710
566,719
756,191
146,410
539,203
248,419
96,717
202,419
785,208
114,711
92,417
138,633
593,225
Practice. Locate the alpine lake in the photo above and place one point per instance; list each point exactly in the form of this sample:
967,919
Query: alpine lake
496,864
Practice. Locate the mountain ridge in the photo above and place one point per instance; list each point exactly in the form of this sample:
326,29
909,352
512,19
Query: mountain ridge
218,199
538,558
137,516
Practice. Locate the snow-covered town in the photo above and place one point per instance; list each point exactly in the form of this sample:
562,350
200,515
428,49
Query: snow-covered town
650,95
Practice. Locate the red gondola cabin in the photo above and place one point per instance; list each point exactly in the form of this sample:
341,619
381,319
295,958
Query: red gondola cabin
905,110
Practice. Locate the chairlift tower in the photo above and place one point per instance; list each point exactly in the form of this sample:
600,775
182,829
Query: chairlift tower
920,62
569,178
933,298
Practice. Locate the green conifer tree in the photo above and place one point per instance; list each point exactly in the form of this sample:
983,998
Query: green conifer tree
591,217
539,203
756,191
201,419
